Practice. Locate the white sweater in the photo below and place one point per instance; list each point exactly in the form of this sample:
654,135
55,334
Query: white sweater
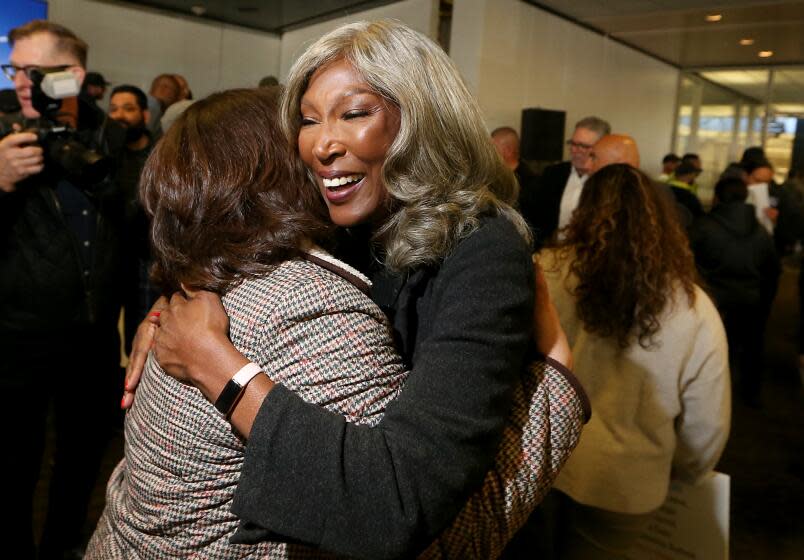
653,410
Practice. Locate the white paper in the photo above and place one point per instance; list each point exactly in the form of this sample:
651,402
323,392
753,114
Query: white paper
693,523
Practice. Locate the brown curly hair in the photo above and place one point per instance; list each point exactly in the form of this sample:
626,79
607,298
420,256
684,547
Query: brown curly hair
629,255
226,194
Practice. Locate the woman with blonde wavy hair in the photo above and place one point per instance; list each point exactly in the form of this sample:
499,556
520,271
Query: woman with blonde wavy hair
394,143
649,347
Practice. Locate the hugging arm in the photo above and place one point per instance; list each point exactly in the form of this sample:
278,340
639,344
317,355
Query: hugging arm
388,491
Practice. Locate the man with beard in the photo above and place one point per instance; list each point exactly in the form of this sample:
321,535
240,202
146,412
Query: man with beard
128,106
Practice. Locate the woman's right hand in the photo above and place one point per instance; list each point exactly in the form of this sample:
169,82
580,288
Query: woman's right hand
143,342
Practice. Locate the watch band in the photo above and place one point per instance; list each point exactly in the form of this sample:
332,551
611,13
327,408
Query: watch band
234,389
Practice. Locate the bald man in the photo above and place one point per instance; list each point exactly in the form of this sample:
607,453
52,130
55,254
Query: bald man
614,148
622,148
506,142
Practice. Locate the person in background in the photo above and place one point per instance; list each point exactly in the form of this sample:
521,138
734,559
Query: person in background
649,347
268,81
778,207
506,142
611,149
560,185
682,186
173,112
762,192
789,227
753,154
622,148
693,160
8,102
669,164
184,88
165,91
128,106
737,259
94,87
59,304
734,170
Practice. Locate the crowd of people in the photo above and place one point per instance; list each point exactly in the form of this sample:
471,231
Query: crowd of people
360,325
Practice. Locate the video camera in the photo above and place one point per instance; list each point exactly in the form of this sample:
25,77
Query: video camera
60,142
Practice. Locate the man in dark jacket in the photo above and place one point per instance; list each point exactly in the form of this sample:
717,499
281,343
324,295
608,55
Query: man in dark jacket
737,259
681,184
128,106
506,142
560,185
59,300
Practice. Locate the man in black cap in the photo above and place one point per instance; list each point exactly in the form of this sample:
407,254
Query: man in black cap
94,87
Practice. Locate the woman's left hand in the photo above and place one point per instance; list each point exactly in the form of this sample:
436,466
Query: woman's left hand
192,342
551,340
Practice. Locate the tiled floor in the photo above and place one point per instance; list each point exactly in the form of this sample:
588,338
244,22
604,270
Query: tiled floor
764,456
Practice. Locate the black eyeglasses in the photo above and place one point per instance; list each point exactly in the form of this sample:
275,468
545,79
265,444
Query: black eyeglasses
11,70
578,145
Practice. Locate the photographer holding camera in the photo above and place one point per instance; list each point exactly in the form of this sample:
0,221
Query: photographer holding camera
59,287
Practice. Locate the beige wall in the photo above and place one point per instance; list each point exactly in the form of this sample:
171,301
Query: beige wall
516,56
421,15
132,45
512,55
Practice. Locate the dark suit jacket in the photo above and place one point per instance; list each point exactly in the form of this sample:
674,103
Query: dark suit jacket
528,184
545,205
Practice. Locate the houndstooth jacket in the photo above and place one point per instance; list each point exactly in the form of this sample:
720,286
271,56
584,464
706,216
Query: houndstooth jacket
310,330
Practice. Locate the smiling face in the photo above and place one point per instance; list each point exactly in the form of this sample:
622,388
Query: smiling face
580,146
124,109
344,137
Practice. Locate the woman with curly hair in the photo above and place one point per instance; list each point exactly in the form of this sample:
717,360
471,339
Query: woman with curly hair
650,350
424,205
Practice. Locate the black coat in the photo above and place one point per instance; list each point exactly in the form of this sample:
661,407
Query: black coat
388,491
528,185
546,202
43,290
736,256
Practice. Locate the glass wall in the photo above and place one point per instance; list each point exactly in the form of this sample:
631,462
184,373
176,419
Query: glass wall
722,112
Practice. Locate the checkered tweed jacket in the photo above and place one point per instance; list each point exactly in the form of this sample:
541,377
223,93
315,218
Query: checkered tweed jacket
320,336
310,330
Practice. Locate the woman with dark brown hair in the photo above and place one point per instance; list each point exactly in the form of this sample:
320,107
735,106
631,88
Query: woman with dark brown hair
231,215
649,349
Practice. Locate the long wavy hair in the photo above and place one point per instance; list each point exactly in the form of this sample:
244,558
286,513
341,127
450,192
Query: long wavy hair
441,172
629,256
225,204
